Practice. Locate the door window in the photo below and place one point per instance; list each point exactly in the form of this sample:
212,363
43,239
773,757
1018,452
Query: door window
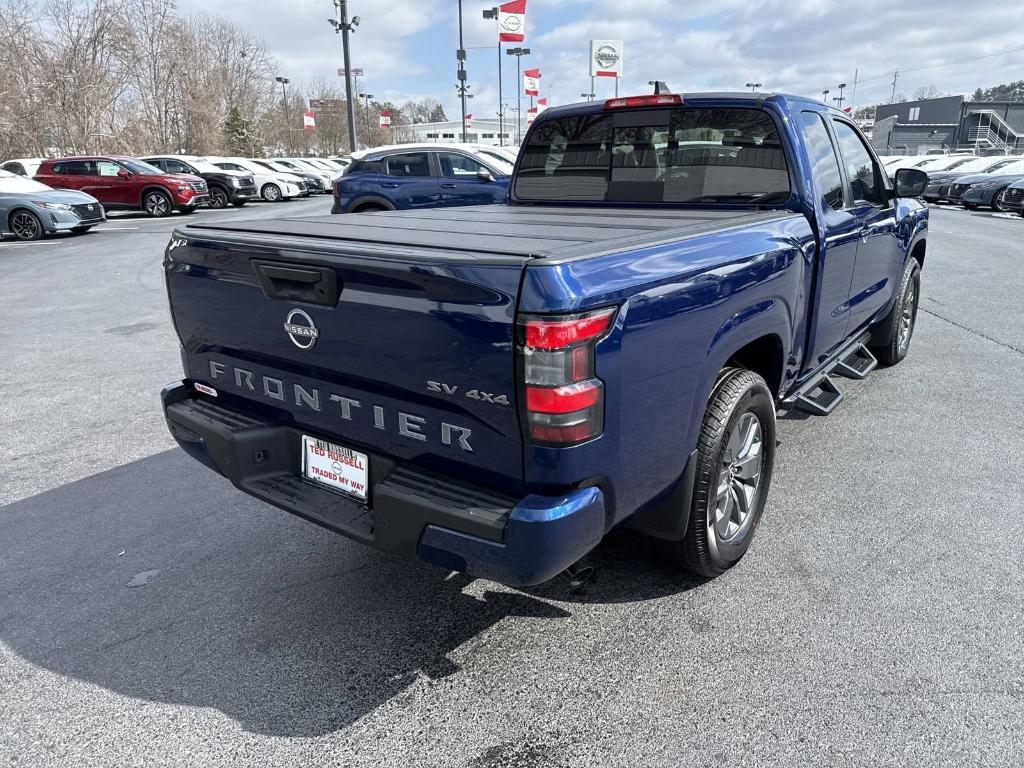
409,164
75,168
107,168
823,158
176,166
865,177
459,166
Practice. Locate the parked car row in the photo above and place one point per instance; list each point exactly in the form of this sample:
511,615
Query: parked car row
995,182
40,196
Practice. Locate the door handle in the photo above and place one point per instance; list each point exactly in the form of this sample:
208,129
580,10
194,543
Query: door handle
448,186
305,283
389,185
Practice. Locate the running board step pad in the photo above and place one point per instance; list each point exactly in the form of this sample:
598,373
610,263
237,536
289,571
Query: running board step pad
821,400
858,364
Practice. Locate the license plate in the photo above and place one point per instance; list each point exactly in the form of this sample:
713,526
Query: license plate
335,466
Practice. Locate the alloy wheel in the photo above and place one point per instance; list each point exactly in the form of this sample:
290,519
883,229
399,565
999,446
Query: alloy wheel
25,226
999,201
907,315
739,477
157,204
218,198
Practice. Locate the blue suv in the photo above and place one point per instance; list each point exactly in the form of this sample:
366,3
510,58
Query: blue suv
401,178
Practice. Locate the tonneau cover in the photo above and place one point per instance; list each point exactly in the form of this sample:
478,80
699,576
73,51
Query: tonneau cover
490,232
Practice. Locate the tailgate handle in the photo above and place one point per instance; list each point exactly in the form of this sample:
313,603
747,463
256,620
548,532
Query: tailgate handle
307,284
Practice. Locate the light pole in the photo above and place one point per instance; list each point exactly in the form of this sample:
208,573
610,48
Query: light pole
366,111
343,26
493,14
287,117
519,53
753,86
840,98
824,96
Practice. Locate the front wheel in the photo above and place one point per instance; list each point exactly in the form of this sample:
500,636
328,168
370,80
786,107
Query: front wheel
26,225
891,341
218,198
735,457
271,193
157,204
999,201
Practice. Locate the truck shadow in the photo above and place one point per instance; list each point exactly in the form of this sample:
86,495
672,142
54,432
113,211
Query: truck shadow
157,580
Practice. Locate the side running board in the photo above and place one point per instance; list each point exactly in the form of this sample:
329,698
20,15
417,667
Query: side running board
819,395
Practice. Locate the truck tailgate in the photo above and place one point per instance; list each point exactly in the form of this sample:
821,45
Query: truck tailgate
412,357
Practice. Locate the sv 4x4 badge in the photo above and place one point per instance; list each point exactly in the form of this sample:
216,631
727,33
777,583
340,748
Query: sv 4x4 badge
472,394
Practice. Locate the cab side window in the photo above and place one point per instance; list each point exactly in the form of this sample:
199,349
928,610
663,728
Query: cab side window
864,175
823,157
454,164
408,164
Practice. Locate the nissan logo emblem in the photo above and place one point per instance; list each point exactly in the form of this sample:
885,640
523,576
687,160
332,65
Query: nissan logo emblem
301,329
606,56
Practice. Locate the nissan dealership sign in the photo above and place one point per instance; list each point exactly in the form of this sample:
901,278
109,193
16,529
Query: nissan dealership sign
606,58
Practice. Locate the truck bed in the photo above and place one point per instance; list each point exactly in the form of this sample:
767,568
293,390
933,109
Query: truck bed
487,233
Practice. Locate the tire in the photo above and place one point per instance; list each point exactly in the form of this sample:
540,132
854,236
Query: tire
80,230
735,457
219,198
157,203
999,201
271,193
369,208
897,329
25,225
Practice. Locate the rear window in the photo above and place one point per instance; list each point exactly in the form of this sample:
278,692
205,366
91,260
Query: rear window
686,155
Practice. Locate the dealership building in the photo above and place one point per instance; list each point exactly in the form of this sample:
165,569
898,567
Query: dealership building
480,131
949,123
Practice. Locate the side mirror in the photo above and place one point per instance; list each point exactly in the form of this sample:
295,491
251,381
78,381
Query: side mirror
123,173
910,182
484,175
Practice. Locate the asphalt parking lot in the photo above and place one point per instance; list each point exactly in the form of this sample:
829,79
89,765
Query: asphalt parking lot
152,615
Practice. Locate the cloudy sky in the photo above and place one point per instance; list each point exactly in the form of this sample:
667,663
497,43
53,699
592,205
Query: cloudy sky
407,47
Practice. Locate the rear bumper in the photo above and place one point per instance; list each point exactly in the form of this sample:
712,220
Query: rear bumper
410,512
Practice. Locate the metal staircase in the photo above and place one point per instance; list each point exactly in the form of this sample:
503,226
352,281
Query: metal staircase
991,131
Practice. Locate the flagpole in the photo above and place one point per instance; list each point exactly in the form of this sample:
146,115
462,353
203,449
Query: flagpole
462,75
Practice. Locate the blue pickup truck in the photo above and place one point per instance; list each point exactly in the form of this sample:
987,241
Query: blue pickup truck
493,388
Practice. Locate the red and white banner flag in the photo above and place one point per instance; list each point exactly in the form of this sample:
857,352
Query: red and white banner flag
531,82
531,115
309,120
469,121
385,119
848,110
542,104
512,22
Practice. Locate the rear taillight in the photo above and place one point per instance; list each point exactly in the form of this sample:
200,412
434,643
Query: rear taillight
563,398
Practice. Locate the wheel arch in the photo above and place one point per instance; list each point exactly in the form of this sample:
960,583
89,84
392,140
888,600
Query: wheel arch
155,188
6,227
362,200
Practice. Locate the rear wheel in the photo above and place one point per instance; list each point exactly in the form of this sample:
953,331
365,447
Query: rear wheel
157,203
898,326
25,225
735,457
218,198
271,193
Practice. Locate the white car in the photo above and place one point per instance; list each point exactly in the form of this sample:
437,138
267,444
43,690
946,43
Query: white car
272,186
929,162
302,165
331,166
508,154
23,166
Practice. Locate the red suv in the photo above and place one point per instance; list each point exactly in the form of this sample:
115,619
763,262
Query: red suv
125,183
